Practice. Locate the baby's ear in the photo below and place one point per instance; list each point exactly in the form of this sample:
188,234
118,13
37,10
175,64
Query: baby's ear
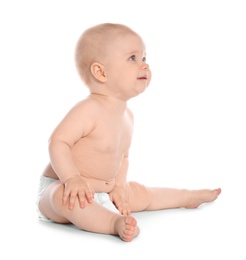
98,71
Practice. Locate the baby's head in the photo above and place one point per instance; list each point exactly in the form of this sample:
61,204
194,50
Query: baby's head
94,45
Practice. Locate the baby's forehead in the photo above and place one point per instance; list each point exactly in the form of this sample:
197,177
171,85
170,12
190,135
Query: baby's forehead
123,36
115,35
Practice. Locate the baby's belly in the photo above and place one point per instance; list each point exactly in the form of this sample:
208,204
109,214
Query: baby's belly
99,185
102,186
101,179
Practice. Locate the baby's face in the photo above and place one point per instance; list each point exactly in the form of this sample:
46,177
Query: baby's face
127,72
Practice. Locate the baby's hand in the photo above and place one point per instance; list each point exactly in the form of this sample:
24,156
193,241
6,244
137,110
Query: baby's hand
119,198
77,187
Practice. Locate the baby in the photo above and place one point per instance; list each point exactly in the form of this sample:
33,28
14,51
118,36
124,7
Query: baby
85,182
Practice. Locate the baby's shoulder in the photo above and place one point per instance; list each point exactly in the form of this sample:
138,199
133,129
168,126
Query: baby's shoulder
87,109
88,104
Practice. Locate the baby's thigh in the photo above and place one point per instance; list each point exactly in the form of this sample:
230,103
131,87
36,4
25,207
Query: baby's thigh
52,200
139,196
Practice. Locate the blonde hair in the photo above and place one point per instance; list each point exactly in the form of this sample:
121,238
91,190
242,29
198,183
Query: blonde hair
92,46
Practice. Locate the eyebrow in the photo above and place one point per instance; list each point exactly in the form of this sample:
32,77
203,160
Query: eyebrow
134,52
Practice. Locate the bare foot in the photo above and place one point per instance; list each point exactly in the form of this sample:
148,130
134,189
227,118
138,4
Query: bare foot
201,196
126,227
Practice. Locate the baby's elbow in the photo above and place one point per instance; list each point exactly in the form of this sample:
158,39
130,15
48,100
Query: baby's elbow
52,143
56,143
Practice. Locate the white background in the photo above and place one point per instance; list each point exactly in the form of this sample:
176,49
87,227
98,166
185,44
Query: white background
189,124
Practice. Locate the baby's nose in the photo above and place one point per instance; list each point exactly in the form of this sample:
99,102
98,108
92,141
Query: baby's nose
145,66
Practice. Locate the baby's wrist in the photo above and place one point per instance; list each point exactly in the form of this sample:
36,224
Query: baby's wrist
71,178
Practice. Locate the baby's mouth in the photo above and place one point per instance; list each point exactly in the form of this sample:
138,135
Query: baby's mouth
143,78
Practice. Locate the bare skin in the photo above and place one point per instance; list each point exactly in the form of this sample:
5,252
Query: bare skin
89,151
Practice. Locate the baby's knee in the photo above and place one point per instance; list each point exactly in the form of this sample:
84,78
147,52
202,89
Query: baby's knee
137,187
139,197
51,202
53,195
56,194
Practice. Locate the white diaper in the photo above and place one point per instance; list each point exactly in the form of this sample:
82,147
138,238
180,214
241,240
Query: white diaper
101,197
43,184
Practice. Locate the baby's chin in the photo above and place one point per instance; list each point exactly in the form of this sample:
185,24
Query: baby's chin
135,92
142,88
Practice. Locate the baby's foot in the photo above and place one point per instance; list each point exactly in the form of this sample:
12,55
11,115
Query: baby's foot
200,196
126,227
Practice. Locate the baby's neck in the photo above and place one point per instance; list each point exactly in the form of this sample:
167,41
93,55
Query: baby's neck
111,100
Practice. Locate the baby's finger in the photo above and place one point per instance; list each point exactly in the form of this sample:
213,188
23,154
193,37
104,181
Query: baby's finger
120,209
124,209
128,212
72,200
65,197
81,199
89,196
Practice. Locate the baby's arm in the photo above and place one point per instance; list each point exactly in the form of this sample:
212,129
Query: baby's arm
118,195
76,124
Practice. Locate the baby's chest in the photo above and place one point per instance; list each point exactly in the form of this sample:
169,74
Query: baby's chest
111,136
116,140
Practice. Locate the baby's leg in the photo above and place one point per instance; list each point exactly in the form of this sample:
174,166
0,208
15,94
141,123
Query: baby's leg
147,198
93,217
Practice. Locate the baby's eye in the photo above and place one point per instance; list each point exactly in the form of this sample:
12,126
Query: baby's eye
133,57
144,59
